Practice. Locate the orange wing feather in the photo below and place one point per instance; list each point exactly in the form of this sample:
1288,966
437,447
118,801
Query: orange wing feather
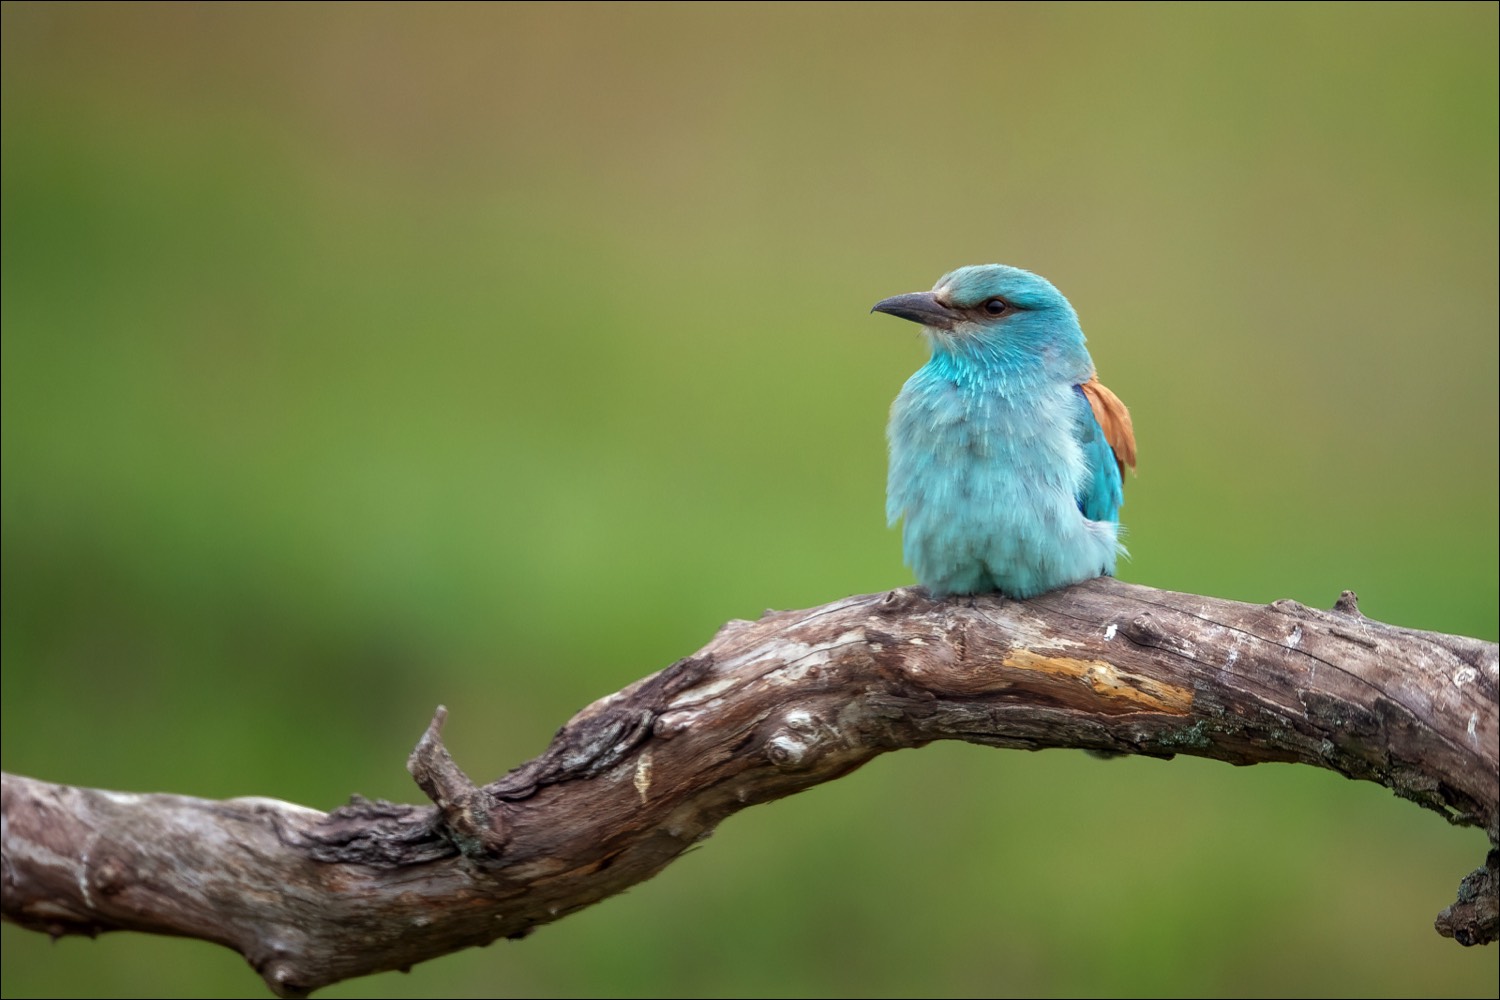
1114,418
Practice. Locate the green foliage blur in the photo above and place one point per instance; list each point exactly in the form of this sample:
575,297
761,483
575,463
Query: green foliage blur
358,359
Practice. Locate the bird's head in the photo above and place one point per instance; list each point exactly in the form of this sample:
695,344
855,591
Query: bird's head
998,316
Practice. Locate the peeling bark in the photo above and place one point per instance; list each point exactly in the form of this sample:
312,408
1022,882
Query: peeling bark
767,709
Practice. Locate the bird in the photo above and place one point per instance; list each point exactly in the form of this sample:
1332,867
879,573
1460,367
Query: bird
1007,455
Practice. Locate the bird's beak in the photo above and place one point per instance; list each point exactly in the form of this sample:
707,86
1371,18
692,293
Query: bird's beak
919,307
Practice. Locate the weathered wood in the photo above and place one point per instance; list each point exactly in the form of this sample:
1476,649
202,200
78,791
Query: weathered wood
767,709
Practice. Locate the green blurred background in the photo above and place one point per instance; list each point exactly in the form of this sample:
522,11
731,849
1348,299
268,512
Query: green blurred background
362,359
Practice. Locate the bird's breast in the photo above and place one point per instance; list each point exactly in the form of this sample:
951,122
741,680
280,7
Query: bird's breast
955,445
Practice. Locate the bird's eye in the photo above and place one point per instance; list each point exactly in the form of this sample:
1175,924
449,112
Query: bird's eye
995,306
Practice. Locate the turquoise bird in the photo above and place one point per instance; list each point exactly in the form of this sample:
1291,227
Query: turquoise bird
1007,455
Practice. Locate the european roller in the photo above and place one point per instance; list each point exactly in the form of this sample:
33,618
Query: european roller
1007,454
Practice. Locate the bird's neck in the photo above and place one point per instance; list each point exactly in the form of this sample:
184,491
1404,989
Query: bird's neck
1007,368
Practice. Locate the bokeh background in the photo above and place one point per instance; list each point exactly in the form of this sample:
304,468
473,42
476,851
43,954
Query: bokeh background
359,359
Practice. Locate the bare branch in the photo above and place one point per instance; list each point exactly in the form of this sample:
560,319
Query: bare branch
767,709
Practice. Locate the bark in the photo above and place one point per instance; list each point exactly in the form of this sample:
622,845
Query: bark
767,709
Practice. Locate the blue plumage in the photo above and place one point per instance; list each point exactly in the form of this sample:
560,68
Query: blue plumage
1007,454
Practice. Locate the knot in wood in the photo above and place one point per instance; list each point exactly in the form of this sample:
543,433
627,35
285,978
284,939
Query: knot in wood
794,746
284,979
899,600
111,877
1143,630
786,751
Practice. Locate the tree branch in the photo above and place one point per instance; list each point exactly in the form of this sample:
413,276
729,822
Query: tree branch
767,709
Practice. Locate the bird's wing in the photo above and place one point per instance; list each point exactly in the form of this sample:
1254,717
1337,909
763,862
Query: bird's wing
1114,419
1109,444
